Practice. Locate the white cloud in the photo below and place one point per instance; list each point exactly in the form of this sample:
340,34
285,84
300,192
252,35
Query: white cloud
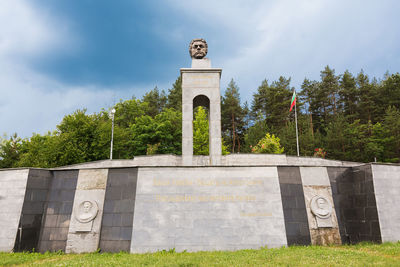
34,103
26,31
266,39
29,101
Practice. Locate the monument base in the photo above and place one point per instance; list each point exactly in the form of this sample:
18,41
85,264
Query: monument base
154,203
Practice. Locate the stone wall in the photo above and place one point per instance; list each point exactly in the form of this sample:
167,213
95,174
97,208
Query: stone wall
353,192
386,182
294,207
12,194
119,204
209,208
32,211
58,211
143,209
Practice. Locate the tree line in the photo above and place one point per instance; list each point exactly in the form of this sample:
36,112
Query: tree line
344,117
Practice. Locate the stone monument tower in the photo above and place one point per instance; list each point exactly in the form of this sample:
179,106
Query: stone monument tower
200,87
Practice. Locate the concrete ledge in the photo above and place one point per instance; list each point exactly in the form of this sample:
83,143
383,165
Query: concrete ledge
227,160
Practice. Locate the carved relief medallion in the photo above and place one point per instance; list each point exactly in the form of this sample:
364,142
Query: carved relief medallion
87,211
322,209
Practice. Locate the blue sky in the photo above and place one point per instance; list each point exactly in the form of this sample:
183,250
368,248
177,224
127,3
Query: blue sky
58,56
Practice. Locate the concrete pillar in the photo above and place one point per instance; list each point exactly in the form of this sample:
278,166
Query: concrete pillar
201,80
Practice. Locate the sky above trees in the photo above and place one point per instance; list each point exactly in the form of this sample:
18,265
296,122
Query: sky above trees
58,56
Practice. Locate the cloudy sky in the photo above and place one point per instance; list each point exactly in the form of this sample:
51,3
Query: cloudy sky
59,56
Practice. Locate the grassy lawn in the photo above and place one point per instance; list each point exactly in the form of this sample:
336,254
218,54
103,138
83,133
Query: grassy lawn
366,254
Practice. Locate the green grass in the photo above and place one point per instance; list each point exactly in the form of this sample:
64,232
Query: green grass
365,254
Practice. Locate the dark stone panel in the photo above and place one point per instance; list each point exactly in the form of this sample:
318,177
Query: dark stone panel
300,215
288,215
107,220
126,233
115,246
65,208
290,202
33,208
285,190
289,175
292,229
119,204
108,206
294,209
355,203
126,219
54,232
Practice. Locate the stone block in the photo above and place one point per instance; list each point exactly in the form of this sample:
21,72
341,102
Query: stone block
289,175
315,176
127,219
65,207
125,233
289,202
114,193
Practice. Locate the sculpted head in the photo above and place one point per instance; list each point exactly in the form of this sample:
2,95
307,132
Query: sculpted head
198,48
87,206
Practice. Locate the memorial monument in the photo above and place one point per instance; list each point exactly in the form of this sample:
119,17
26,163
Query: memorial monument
194,203
200,87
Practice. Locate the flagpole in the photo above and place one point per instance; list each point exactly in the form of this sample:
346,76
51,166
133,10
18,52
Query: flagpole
297,132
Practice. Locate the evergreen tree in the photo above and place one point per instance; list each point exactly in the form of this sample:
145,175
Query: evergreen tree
156,101
174,99
349,95
307,97
232,117
273,101
368,95
328,93
392,126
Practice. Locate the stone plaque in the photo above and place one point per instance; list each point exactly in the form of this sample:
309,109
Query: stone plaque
322,210
87,211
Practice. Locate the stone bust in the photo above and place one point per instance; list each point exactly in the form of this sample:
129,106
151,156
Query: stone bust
198,48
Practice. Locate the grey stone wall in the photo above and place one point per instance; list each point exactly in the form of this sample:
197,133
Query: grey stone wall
294,208
354,197
119,204
209,208
386,181
53,236
12,192
32,211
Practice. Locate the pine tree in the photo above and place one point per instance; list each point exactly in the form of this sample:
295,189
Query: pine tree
174,99
273,102
157,101
232,117
349,95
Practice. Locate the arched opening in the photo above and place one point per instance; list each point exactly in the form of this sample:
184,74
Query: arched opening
201,111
